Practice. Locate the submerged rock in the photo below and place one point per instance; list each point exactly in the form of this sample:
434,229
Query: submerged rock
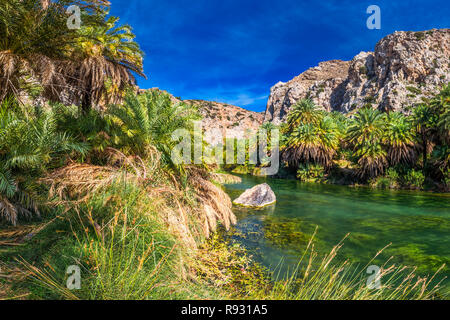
258,197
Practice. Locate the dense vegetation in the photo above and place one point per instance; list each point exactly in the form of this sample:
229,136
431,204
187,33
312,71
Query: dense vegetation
382,149
41,56
86,176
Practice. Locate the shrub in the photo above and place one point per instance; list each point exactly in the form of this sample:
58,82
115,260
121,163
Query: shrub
446,179
419,35
380,183
388,181
363,70
30,144
413,90
414,179
310,173
392,174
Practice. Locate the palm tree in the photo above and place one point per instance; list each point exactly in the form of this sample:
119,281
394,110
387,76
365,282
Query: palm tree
266,129
372,160
444,124
365,134
441,105
39,53
367,126
29,144
32,37
400,140
103,63
312,143
425,121
303,112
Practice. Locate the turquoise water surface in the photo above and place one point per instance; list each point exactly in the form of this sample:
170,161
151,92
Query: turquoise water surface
416,224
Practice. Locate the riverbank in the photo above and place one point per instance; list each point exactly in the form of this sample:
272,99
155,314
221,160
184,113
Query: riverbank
132,237
128,248
342,175
412,226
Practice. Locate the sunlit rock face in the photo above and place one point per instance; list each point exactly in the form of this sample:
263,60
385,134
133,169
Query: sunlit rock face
404,69
320,84
221,120
259,196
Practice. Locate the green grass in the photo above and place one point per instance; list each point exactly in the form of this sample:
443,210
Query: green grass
126,252
319,277
120,241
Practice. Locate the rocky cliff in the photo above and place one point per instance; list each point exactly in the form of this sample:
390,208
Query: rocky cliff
231,121
404,69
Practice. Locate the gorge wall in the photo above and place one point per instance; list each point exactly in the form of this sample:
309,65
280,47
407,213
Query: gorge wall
404,69
230,120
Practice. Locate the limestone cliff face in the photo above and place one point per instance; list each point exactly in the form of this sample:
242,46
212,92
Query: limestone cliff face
231,121
320,83
405,68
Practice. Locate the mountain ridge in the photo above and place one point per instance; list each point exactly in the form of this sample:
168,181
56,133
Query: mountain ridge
405,68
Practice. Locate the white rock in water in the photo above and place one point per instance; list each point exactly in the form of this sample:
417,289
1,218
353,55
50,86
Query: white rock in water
258,196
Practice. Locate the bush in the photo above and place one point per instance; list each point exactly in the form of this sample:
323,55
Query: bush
414,179
393,175
419,35
388,181
380,183
413,90
30,144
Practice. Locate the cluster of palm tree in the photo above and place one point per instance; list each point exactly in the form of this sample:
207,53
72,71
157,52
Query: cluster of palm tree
147,120
75,71
35,140
42,58
30,143
312,136
374,140
40,55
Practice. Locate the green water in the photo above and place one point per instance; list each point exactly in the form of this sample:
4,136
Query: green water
416,223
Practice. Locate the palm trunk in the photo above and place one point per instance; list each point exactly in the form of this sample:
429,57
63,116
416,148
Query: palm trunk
86,103
425,151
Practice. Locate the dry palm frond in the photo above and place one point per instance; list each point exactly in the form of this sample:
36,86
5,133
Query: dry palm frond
372,166
405,153
223,178
16,232
305,153
19,74
77,180
216,204
118,159
11,211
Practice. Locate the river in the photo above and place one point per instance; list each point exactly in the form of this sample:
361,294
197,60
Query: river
415,224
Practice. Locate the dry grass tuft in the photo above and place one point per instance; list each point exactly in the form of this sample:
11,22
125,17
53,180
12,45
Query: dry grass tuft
188,221
79,180
9,275
224,178
215,203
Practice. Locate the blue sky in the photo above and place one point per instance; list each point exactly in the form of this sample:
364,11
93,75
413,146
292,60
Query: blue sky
233,51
